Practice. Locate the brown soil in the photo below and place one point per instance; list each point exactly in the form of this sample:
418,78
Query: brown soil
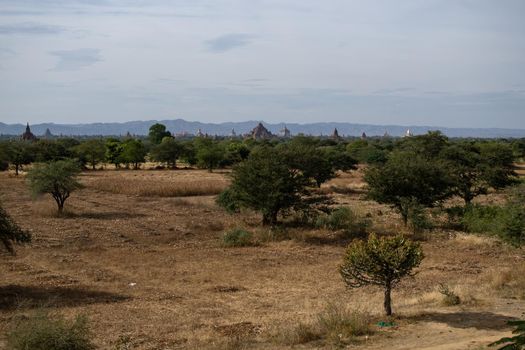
152,270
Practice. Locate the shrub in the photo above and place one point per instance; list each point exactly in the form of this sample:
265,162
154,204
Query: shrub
237,238
42,332
418,218
343,218
506,222
273,234
380,261
516,342
336,324
449,297
10,232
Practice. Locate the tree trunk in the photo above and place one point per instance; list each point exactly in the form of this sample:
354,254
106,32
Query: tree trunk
270,219
16,169
388,300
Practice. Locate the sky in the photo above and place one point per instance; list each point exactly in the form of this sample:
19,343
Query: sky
452,63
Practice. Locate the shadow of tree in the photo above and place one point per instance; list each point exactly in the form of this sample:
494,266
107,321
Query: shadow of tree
103,215
466,319
16,296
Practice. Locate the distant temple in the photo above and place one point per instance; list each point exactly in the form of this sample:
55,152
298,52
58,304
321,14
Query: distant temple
363,136
260,133
48,134
233,133
199,133
285,132
408,133
335,134
28,135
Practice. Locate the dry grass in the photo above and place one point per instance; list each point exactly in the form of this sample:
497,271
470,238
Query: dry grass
144,184
151,274
509,282
337,325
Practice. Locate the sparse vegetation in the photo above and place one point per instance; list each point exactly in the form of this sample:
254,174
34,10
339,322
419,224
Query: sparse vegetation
336,325
380,261
516,342
44,331
10,232
450,298
58,178
237,238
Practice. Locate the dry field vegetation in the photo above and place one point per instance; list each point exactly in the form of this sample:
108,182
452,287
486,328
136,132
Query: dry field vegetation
140,253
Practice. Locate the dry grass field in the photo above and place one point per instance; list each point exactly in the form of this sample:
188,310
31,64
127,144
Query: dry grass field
139,253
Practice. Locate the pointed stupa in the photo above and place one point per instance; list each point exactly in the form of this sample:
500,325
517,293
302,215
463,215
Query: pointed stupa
28,135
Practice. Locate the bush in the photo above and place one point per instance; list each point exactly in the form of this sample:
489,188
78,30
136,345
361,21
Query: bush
42,332
273,234
343,218
336,324
237,238
449,297
506,222
10,232
516,342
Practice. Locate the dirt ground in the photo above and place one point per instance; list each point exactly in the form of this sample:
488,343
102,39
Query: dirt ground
150,273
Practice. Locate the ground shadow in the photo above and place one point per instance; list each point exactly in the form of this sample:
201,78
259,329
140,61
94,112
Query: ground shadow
103,215
15,296
466,319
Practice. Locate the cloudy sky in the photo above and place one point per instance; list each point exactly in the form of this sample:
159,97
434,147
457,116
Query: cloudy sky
457,63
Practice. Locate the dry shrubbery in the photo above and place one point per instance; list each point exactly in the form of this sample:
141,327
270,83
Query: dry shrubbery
509,282
336,324
149,188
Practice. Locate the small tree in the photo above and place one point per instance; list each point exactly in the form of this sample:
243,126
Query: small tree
265,183
157,132
133,152
168,151
380,261
10,232
113,152
56,178
209,154
93,151
406,179
19,154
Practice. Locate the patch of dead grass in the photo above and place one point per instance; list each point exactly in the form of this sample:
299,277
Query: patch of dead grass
159,188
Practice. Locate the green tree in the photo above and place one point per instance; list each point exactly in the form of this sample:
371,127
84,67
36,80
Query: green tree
58,178
157,132
303,155
113,152
10,232
93,151
168,151
407,179
20,153
208,153
380,261
265,183
473,169
133,152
